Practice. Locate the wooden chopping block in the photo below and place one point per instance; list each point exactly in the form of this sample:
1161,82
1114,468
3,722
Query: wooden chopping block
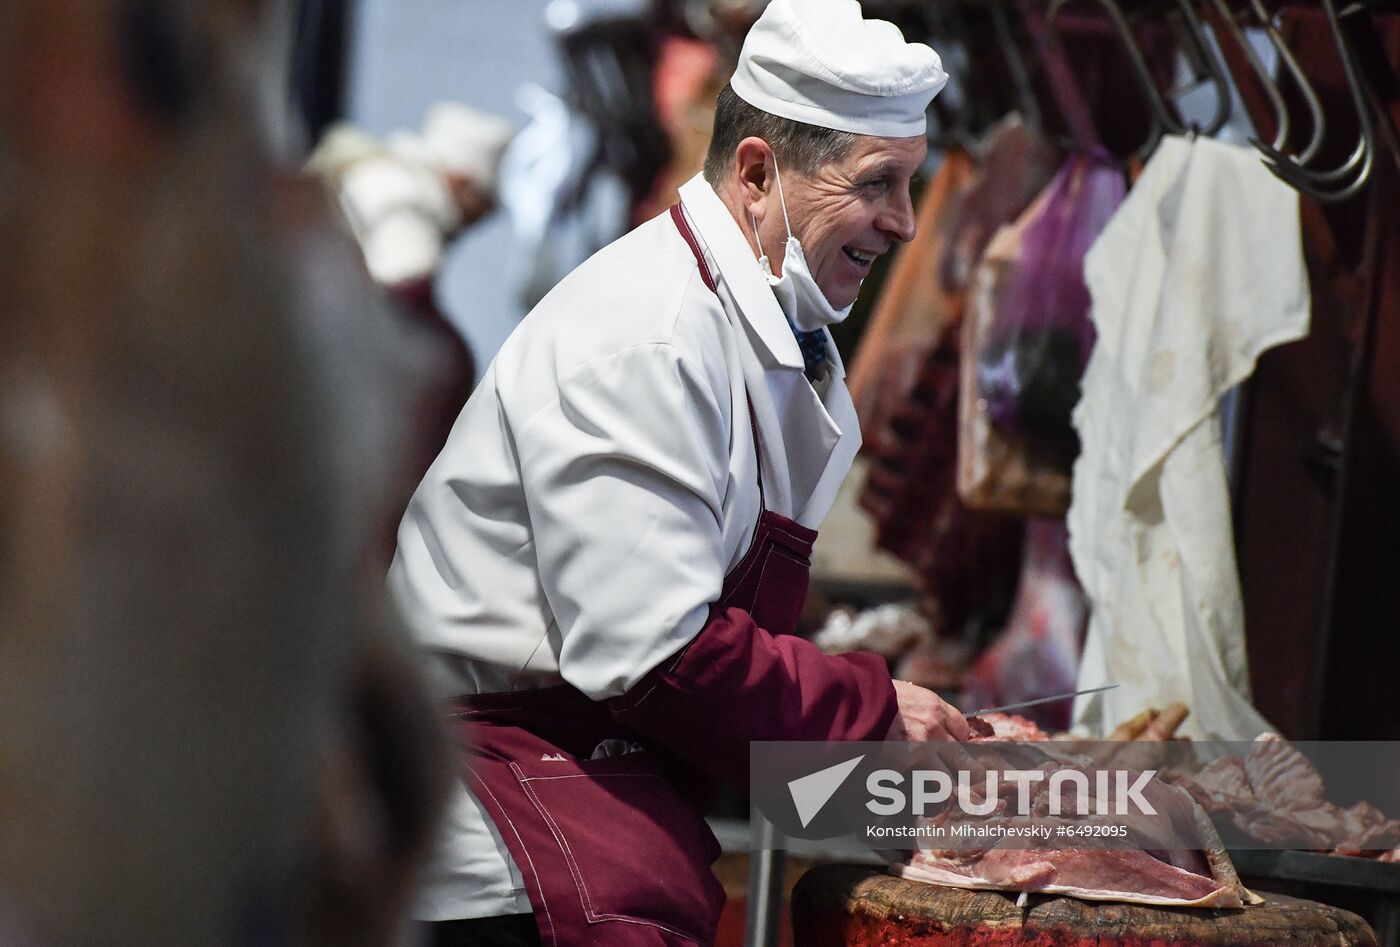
859,906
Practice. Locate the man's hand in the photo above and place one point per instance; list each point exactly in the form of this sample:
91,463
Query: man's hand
923,715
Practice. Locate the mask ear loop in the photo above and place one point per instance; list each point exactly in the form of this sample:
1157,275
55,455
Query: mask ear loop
781,200
753,221
763,263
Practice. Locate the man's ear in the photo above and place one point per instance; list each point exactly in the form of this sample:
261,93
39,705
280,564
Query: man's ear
753,160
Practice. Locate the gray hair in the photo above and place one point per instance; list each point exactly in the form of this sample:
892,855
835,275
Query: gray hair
799,146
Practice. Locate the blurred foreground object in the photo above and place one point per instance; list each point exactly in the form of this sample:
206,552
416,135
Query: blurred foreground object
208,732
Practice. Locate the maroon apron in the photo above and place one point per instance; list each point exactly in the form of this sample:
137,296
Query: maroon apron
608,829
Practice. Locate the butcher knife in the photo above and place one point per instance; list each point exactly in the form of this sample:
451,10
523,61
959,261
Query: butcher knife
1039,700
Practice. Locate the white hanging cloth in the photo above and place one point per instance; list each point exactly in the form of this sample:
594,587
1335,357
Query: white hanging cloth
1200,271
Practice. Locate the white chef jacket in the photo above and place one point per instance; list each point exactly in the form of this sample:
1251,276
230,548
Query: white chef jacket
601,482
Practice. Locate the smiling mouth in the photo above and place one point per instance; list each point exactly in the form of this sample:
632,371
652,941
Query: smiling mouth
860,258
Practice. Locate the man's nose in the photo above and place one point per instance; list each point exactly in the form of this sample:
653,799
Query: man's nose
898,218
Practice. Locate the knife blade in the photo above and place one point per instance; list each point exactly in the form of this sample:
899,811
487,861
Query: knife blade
1039,700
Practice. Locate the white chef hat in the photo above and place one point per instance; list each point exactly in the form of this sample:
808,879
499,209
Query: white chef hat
457,139
821,62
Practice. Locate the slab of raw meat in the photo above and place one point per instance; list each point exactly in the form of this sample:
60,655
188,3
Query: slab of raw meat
1172,858
1274,795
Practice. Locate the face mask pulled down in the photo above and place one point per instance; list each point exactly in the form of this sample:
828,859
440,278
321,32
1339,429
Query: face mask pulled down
801,300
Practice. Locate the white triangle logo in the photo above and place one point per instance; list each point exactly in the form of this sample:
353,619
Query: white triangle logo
810,793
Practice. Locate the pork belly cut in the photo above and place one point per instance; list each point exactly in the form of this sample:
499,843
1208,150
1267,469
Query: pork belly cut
1173,857
1094,875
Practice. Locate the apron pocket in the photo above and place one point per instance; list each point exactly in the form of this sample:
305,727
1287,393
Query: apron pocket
784,580
638,852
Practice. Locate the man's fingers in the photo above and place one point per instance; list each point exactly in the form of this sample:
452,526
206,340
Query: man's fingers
926,716
938,730
957,726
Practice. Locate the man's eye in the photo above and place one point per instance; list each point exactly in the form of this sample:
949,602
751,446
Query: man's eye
880,183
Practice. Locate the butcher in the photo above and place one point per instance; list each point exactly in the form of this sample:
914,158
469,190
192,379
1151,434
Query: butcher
606,561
